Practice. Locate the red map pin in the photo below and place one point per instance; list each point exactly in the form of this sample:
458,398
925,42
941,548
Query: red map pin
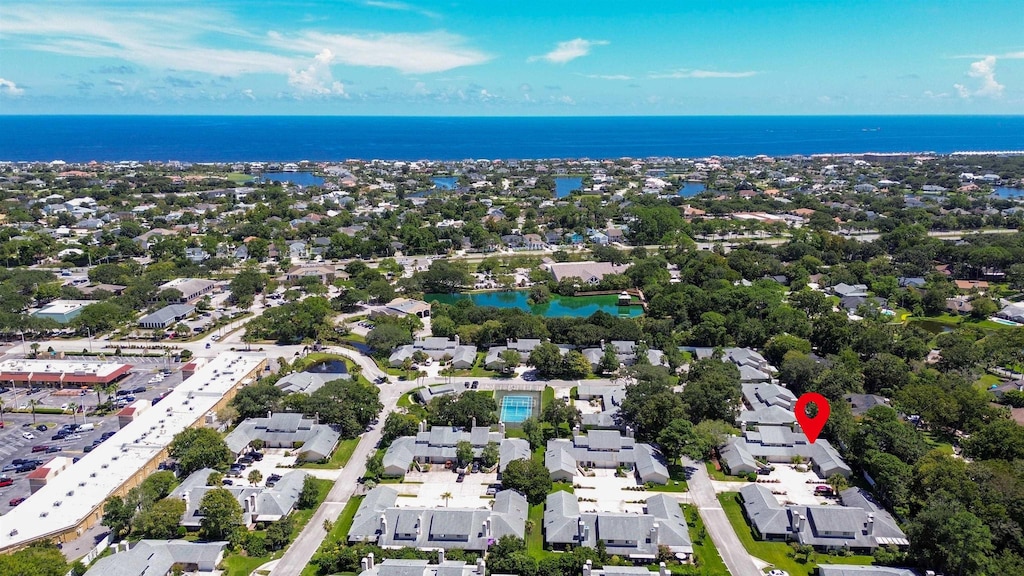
812,425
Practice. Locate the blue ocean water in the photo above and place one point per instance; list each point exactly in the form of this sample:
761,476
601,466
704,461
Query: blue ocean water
295,138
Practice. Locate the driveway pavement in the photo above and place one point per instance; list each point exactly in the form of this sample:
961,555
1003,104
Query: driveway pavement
736,558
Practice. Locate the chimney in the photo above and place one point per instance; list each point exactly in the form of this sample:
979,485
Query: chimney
871,524
587,567
369,561
576,430
423,426
269,413
481,567
487,528
581,529
457,341
654,535
440,556
363,564
629,431
474,422
383,525
602,343
662,569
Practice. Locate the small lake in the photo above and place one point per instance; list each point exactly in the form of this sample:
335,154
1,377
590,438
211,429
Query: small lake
692,189
557,307
328,367
933,326
300,178
445,182
1007,192
565,185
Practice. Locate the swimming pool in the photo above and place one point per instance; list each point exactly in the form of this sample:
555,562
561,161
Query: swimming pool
515,409
1003,321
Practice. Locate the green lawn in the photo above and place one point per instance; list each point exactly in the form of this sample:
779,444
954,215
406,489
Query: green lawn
719,475
986,381
547,396
563,486
779,554
708,559
339,458
243,565
535,537
338,532
478,370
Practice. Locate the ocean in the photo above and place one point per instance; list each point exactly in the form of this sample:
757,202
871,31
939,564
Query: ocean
331,138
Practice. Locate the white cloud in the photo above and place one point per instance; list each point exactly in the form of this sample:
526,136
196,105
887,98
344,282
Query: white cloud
569,50
698,73
9,88
248,93
985,71
316,78
607,76
408,53
400,7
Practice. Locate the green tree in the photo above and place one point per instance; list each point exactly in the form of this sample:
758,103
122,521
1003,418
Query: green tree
575,365
511,359
256,400
384,338
464,453
712,391
196,448
309,495
255,477
117,515
609,360
528,477
279,533
489,455
547,359
39,559
396,425
559,412
161,520
221,514
681,437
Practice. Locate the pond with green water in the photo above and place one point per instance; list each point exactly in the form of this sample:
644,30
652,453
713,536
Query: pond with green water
558,306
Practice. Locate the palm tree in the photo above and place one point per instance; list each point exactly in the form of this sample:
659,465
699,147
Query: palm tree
1,412
32,404
73,406
446,497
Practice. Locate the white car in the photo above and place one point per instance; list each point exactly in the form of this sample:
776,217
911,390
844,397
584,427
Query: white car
28,436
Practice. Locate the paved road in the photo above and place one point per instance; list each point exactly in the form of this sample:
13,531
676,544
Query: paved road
306,544
736,558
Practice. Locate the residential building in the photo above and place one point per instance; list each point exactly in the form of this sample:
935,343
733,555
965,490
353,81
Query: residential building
324,274
610,397
767,404
853,570
843,289
625,353
167,316
859,525
307,382
523,346
437,446
627,535
380,521
603,449
428,393
752,365
780,444
587,272
159,557
308,440
861,403
462,357
404,567
1013,312
259,503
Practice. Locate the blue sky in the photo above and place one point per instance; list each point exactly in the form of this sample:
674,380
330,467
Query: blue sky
512,57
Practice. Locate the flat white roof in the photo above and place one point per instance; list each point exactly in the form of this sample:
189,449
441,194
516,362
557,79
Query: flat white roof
64,306
55,366
71,496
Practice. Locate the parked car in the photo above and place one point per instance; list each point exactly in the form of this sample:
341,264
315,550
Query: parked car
40,448
52,449
257,456
16,501
9,468
822,490
28,436
246,460
59,436
6,482
227,482
89,448
27,467
43,427
461,478
139,390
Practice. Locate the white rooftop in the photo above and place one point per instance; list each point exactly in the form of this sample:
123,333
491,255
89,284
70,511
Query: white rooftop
43,366
64,306
70,497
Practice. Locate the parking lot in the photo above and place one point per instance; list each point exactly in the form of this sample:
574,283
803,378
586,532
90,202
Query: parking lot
470,493
22,432
795,487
